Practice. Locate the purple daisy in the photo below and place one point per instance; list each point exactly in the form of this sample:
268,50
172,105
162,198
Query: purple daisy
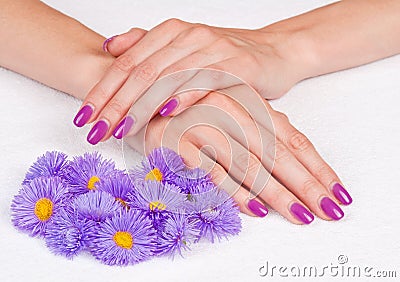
118,186
68,234
95,205
177,234
36,203
215,214
155,197
156,200
162,165
126,238
50,164
86,171
194,181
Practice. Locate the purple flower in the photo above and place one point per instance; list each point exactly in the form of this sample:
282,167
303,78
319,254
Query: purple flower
126,238
194,181
162,165
215,214
177,234
86,171
96,206
155,197
50,164
36,203
118,186
156,200
68,234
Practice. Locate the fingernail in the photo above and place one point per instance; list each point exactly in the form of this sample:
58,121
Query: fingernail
123,127
331,209
341,194
301,213
83,115
105,44
257,208
169,107
97,132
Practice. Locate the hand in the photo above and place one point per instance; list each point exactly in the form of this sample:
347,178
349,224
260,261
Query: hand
301,180
143,57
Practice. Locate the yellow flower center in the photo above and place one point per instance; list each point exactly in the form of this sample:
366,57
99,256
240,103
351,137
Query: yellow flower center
157,205
43,209
123,239
122,202
92,181
154,174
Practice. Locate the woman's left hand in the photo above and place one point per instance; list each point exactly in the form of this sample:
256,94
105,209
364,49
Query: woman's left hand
142,57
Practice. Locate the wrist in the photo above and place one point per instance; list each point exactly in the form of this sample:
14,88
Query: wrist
295,51
91,67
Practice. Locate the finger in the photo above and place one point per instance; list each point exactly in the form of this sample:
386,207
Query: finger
119,44
201,84
245,168
287,169
306,153
190,86
196,158
122,66
143,108
141,78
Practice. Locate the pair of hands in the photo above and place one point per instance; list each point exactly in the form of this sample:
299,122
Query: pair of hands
286,173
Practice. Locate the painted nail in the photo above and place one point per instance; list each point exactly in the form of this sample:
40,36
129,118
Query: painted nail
169,107
301,213
257,208
331,209
83,115
105,44
98,131
341,194
123,127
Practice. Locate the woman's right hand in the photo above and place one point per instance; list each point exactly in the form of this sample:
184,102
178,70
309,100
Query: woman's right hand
246,150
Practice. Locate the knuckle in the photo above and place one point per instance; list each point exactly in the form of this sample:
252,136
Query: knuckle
248,59
201,32
224,43
173,23
281,151
101,93
247,163
299,142
309,185
323,172
146,72
282,116
275,196
123,63
218,174
115,108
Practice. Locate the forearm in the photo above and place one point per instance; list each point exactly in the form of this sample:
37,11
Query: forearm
48,46
339,36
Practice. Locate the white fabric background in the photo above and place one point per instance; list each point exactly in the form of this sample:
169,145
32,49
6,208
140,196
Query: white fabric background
351,117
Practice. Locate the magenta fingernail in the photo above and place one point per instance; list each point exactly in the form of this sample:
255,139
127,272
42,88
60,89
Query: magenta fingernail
83,115
98,131
331,209
105,44
169,107
257,208
301,213
123,127
341,194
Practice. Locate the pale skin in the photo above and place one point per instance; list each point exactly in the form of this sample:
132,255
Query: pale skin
54,49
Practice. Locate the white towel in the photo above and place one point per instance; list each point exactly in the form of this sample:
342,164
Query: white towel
352,117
